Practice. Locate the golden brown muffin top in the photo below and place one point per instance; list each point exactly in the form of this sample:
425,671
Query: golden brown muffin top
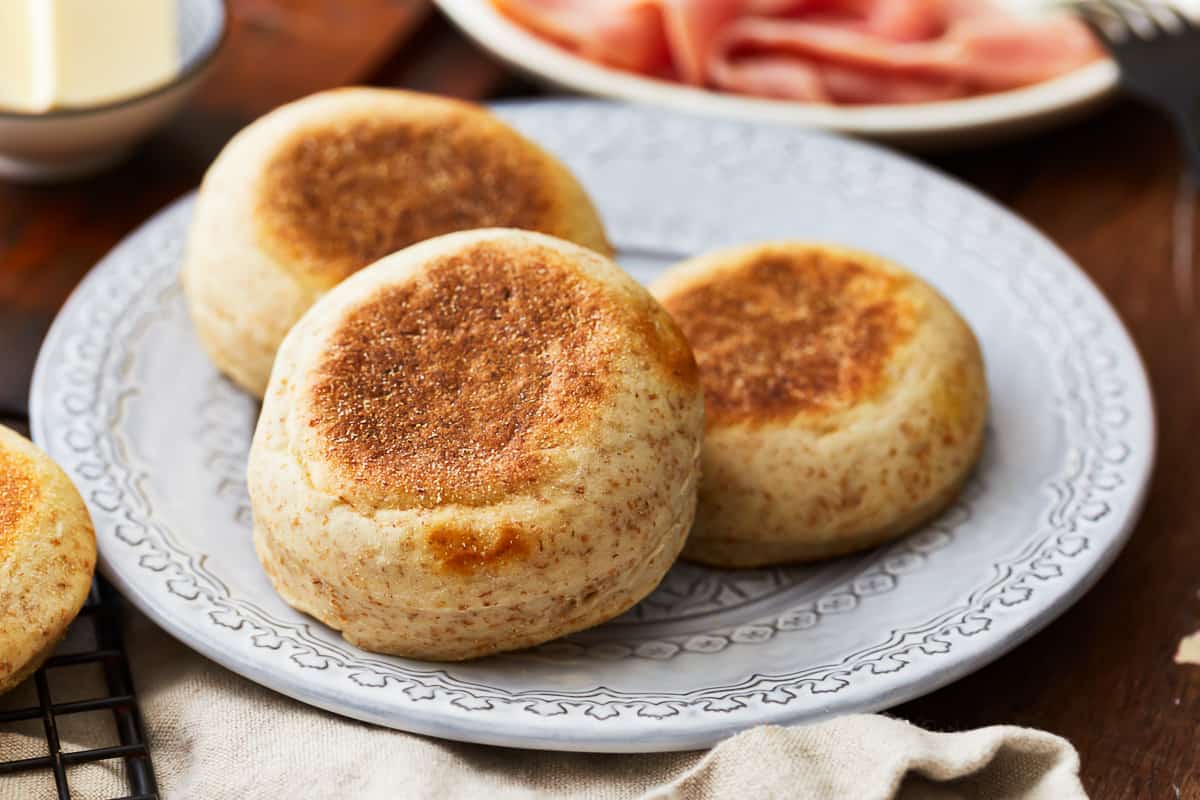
790,331
338,196
454,386
19,491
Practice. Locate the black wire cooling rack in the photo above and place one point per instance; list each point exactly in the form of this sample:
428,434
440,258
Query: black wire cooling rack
103,613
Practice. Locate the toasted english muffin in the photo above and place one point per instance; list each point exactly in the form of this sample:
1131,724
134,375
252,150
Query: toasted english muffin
318,189
845,400
477,444
47,556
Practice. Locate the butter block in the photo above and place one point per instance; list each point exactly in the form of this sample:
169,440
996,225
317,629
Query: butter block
107,51
80,53
24,75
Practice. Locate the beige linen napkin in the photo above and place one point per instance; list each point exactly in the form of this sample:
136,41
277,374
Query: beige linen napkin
215,735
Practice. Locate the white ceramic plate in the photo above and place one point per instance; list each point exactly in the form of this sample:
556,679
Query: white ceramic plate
156,441
959,122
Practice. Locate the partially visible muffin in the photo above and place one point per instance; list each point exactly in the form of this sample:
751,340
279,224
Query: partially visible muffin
478,444
47,556
318,189
845,400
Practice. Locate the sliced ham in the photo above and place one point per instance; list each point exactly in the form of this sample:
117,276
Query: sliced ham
691,28
793,79
974,55
623,34
1001,54
849,85
904,20
772,76
825,51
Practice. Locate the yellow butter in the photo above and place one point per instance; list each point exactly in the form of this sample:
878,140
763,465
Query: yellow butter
79,53
107,50
24,79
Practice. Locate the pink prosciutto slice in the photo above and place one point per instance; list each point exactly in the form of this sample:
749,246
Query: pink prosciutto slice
691,29
972,57
623,34
826,51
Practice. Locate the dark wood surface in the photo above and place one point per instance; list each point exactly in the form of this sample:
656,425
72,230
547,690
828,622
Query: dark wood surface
1108,190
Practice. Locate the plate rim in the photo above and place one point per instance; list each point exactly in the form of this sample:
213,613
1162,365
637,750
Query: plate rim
704,732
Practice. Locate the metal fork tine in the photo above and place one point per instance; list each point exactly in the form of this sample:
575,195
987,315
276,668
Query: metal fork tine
1156,45
1136,18
1169,18
1103,21
1105,8
1178,16
1130,22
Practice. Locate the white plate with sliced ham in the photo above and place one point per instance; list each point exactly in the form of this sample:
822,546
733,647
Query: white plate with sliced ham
915,72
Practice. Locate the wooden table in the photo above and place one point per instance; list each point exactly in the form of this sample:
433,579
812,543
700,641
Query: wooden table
1108,190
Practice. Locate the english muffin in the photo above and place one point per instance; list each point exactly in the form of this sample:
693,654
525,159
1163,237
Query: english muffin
318,189
47,556
477,444
845,400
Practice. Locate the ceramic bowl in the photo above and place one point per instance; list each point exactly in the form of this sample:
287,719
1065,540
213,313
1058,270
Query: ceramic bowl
70,143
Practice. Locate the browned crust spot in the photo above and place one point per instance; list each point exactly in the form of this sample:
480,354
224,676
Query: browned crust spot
453,387
342,195
463,551
665,343
19,491
791,331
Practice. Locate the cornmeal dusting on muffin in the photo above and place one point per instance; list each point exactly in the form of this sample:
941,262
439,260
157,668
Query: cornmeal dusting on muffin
450,387
18,493
792,333
343,195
